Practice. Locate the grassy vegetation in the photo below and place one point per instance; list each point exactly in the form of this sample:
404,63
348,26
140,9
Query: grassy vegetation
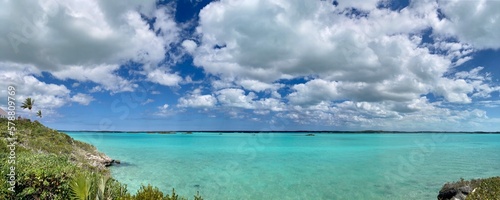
486,189
150,192
51,165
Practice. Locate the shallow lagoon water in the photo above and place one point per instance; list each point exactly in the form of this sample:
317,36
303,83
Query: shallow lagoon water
295,166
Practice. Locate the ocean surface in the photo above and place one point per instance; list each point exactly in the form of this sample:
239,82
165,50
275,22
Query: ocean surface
295,166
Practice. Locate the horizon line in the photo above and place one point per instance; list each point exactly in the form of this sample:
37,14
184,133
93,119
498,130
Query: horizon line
275,131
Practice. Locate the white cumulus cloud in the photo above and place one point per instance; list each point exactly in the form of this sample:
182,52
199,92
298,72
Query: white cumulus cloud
474,22
68,38
197,100
83,99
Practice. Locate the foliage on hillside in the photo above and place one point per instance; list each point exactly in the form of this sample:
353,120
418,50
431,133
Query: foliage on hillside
486,189
52,165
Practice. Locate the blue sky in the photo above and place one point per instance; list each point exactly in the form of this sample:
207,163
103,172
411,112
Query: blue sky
254,65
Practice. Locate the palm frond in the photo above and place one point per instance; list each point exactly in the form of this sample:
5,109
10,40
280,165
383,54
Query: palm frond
101,187
81,188
28,103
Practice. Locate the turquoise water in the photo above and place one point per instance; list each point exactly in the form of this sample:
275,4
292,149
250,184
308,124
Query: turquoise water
295,166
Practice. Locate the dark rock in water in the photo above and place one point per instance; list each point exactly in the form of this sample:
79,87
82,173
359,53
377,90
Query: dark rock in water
117,161
455,191
310,134
196,186
108,163
447,193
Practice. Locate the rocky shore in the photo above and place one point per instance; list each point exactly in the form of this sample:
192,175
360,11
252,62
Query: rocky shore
475,189
100,160
455,191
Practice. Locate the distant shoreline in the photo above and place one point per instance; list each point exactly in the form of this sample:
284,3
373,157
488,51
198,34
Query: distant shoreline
324,132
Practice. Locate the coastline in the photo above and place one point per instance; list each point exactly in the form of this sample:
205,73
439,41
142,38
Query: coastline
299,131
52,165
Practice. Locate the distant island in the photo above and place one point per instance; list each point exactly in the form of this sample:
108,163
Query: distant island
298,131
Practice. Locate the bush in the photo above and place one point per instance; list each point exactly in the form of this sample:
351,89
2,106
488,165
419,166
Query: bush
40,176
153,193
487,189
149,193
116,189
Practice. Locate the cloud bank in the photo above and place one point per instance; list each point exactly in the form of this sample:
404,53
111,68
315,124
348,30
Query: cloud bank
339,63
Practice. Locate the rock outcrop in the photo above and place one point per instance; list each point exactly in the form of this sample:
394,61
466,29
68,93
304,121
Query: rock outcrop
458,190
475,189
453,191
100,161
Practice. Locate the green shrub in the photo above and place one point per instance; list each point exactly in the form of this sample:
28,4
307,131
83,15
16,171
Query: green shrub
487,189
153,193
116,189
40,176
149,193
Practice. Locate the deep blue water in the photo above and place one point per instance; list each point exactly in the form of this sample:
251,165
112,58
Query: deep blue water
295,166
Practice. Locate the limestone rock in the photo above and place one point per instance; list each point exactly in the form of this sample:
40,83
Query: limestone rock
454,191
99,161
